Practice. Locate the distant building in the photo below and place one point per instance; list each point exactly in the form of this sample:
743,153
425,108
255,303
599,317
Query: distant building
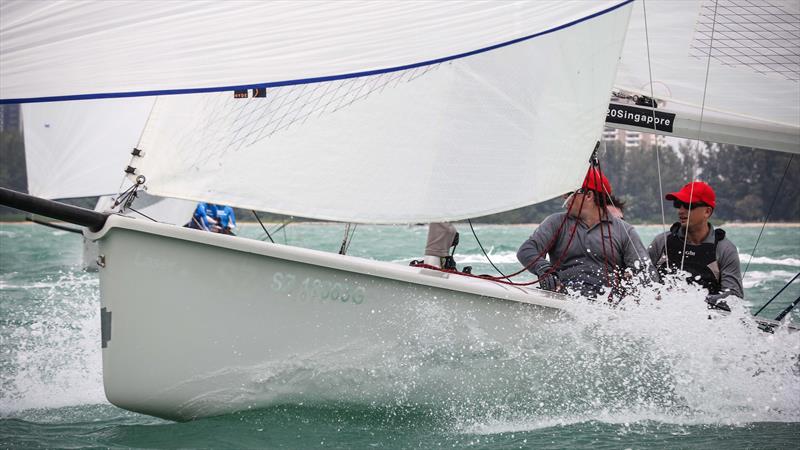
10,118
633,139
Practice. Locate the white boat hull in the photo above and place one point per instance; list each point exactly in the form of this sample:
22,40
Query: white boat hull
197,324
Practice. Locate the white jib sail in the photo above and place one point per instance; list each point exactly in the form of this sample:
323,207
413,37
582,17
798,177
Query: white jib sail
752,96
464,137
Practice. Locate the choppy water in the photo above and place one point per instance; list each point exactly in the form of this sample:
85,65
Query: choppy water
659,374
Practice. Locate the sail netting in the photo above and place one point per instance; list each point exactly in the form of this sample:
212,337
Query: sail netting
460,138
735,62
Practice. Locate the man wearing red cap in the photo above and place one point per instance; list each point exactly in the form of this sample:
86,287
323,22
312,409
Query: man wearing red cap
591,258
712,260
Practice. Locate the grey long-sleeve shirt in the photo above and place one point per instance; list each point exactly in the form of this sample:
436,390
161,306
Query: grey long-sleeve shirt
730,273
583,262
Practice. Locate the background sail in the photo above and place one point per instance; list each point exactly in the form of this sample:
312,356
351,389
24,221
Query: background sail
465,137
753,90
81,148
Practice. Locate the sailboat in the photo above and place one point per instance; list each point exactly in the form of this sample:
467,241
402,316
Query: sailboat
377,112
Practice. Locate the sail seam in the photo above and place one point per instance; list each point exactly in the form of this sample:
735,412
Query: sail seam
313,80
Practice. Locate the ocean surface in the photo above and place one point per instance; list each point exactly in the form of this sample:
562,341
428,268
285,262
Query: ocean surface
656,374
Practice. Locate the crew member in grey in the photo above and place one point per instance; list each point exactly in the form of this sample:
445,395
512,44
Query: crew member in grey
585,265
710,258
441,236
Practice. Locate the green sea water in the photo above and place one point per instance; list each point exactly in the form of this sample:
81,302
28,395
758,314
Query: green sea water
636,378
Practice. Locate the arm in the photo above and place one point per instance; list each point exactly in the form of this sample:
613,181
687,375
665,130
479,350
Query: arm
729,268
655,251
636,257
537,243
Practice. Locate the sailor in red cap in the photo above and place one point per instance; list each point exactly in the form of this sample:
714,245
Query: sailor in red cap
711,260
601,245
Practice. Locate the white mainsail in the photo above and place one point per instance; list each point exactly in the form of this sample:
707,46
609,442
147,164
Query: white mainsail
465,137
387,113
752,95
51,49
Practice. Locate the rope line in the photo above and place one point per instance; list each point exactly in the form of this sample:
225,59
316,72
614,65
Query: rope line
766,218
658,155
262,226
142,214
699,131
484,251
776,295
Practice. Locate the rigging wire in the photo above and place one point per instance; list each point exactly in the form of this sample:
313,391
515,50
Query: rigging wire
700,128
611,200
766,218
484,251
653,98
142,214
281,226
348,237
262,226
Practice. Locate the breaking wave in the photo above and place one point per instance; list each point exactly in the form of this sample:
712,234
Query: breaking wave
756,278
744,258
51,351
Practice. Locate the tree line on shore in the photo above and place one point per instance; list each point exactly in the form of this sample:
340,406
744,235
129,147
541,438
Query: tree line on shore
749,183
746,182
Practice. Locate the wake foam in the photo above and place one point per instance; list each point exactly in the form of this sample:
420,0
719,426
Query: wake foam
666,358
51,354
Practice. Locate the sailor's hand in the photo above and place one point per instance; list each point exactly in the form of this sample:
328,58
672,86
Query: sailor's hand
715,301
550,282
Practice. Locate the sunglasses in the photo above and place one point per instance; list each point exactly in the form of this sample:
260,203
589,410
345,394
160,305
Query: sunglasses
579,191
679,204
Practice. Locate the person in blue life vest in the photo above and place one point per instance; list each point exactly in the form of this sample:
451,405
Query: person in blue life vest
600,251
226,219
711,259
204,217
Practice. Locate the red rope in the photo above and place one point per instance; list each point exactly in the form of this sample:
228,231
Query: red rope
543,252
614,275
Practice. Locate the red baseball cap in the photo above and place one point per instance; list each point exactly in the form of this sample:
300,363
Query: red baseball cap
596,181
697,191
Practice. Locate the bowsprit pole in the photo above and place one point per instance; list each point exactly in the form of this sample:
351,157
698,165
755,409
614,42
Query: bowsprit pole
88,218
